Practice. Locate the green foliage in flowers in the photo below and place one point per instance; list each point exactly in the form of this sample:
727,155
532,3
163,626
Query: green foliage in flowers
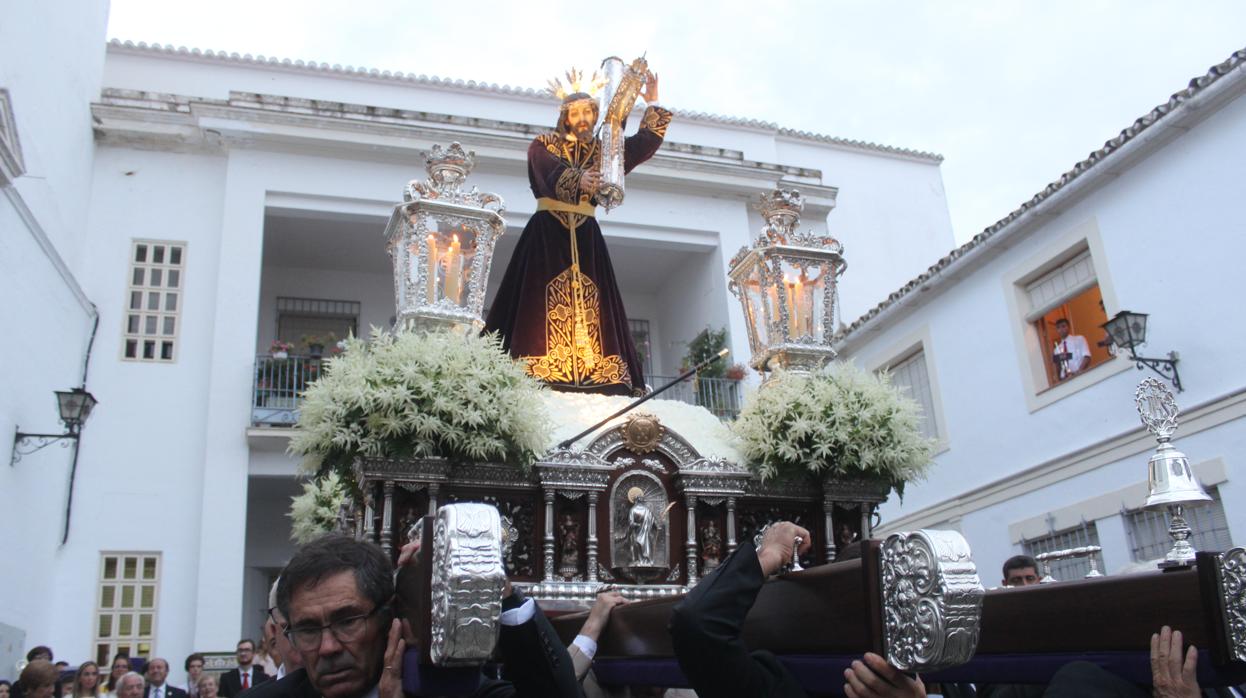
314,513
414,395
839,421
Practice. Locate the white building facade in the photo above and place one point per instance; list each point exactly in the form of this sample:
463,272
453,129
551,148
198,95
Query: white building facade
208,205
1028,462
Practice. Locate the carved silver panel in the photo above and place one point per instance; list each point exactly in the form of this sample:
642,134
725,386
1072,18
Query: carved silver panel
467,584
1232,564
932,600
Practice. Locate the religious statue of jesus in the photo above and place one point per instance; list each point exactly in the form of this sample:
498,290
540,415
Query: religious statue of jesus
558,308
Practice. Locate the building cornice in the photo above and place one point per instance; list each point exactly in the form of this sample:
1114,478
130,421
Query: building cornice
249,120
1148,132
527,93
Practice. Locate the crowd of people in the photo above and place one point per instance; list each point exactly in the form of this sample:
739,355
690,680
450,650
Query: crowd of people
335,630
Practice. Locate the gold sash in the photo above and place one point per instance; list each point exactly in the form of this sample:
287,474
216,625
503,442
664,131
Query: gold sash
545,203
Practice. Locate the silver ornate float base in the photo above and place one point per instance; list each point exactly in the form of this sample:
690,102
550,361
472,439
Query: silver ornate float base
932,600
467,584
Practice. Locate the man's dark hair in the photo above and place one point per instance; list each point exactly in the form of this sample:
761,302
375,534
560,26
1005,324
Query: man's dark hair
191,658
1061,321
38,650
245,641
328,555
1019,562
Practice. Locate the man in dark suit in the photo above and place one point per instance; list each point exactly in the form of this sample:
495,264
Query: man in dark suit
157,687
706,628
336,595
247,675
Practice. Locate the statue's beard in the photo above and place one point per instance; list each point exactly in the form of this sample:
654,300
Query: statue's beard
582,131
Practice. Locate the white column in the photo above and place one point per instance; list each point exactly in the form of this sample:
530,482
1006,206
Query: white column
731,542
229,356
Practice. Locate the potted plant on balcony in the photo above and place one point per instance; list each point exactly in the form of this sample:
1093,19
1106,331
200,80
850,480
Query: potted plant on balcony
421,395
280,350
839,422
736,372
316,343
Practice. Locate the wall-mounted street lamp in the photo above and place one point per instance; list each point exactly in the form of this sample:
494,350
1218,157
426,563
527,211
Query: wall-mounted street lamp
74,407
1127,330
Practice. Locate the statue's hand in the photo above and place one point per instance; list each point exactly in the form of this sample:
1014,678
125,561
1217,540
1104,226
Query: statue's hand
590,182
651,87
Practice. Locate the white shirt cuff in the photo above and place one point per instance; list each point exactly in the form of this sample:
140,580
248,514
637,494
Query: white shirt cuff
521,615
586,644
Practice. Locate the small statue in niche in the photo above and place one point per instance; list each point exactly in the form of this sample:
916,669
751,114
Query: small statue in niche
711,546
640,523
569,548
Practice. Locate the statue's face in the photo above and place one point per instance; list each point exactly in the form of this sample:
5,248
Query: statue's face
581,117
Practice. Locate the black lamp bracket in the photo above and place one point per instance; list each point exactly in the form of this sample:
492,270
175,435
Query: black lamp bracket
37,442
1166,368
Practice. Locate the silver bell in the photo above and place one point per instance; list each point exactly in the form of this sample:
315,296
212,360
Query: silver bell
1170,481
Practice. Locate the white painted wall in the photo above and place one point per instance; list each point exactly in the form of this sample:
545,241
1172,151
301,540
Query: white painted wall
51,60
1170,240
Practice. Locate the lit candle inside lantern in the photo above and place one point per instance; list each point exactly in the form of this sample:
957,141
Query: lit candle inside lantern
791,309
802,309
454,270
432,269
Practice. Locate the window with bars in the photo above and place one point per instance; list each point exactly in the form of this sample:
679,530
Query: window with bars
153,303
300,319
125,619
1073,568
911,375
1148,529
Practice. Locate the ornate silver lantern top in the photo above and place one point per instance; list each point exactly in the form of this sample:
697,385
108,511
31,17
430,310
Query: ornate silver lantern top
441,240
787,283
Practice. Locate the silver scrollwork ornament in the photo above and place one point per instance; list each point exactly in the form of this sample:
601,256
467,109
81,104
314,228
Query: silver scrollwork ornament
467,583
932,600
1232,568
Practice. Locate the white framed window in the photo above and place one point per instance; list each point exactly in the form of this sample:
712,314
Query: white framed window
1070,569
1148,529
126,603
154,300
911,375
1059,299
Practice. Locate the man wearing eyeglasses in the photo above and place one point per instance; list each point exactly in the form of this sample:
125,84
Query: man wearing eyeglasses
335,596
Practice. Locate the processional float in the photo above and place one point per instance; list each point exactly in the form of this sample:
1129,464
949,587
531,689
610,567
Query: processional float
914,598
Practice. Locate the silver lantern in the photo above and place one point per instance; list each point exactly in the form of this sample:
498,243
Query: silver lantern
1170,481
787,282
441,240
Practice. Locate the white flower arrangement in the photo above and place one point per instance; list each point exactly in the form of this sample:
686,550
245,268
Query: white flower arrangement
839,421
415,395
315,512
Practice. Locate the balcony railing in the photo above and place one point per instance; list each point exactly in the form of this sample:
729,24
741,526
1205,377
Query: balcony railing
279,384
721,396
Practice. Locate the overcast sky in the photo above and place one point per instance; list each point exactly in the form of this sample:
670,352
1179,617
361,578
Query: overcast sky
1012,94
